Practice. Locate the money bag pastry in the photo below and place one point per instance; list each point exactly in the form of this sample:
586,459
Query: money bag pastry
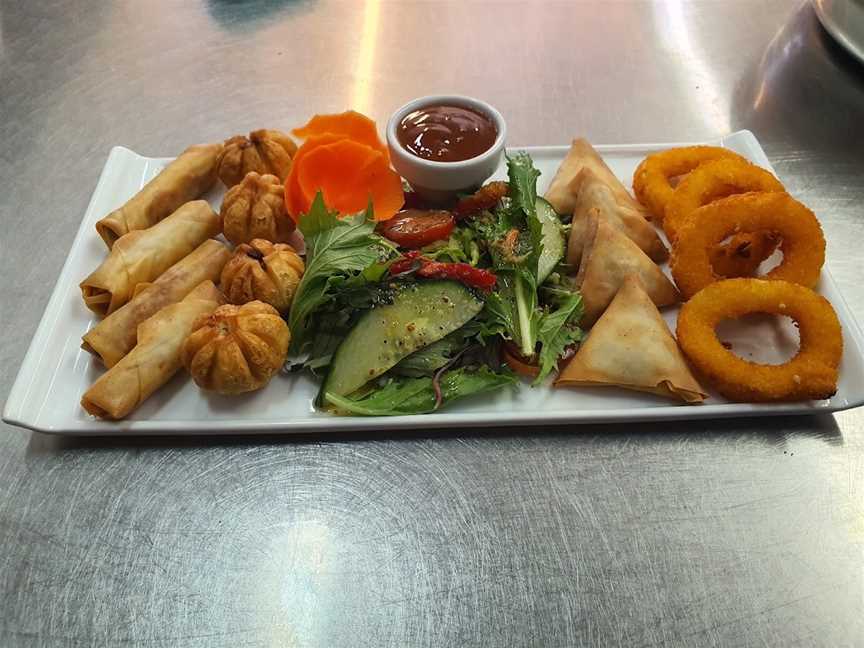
263,271
255,208
264,151
236,349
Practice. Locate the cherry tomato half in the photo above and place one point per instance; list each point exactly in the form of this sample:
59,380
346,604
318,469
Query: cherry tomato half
514,360
414,228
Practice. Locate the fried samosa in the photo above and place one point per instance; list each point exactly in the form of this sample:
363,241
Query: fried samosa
184,179
608,258
115,336
141,256
630,346
561,193
594,194
154,360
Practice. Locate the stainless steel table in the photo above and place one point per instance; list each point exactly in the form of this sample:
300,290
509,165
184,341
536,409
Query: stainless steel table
726,533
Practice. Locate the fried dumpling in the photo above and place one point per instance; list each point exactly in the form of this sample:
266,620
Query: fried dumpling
594,194
255,209
630,346
236,349
266,151
608,258
268,272
561,193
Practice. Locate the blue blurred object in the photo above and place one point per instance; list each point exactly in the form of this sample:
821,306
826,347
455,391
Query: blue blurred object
243,14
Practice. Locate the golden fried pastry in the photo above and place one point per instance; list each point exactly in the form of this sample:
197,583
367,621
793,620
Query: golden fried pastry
608,258
184,179
263,271
592,194
236,349
264,151
564,188
154,360
631,346
141,256
116,335
255,208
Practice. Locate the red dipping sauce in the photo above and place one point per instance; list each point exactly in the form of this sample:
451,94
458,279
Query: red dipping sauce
446,133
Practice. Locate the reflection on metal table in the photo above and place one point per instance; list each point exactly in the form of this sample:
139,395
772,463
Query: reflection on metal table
733,532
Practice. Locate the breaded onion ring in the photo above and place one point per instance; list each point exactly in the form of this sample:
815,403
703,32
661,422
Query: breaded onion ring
652,179
711,181
708,182
810,375
742,255
803,244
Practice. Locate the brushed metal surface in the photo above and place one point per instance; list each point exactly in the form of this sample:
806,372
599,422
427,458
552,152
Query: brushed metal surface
723,533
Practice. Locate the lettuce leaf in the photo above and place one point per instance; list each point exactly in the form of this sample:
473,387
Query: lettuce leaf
403,395
513,309
426,361
336,249
522,177
515,240
558,330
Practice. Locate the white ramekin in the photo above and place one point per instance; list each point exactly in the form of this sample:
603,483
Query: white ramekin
441,180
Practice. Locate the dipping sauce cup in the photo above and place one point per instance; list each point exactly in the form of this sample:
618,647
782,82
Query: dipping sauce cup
446,144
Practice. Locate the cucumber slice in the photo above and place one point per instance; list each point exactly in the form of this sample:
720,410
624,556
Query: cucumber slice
420,314
553,240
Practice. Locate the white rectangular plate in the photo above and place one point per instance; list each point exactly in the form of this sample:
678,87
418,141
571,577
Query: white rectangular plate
56,372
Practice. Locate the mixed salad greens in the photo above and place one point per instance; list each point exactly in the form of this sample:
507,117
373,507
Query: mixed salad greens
405,331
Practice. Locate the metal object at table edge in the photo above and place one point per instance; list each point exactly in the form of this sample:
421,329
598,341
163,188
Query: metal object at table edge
844,21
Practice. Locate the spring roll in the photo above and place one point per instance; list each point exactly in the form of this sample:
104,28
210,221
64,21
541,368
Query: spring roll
115,336
184,179
154,360
141,256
